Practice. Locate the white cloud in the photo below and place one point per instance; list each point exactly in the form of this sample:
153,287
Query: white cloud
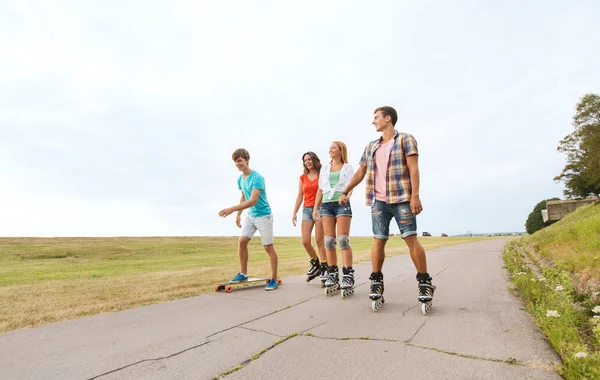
136,112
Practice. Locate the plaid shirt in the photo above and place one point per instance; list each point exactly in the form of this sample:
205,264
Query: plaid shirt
399,188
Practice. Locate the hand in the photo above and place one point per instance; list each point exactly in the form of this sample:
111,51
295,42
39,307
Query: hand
225,212
238,221
294,220
315,214
415,205
343,199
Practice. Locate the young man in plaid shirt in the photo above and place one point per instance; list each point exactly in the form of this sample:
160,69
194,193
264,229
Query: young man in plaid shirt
391,166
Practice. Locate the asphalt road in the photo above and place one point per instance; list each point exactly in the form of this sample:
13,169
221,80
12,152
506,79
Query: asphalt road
476,330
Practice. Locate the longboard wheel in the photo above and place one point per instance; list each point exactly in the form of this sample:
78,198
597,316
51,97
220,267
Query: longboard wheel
217,288
229,288
279,281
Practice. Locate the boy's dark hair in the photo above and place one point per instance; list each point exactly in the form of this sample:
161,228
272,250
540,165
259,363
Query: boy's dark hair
388,111
316,162
243,153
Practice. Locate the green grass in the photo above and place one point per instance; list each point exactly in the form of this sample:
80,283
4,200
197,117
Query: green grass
556,273
55,279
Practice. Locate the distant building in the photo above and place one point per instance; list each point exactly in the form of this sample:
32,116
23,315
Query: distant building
556,210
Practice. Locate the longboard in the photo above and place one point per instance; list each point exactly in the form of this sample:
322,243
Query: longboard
228,286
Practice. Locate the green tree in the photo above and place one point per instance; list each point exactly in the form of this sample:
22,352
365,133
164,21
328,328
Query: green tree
535,221
581,175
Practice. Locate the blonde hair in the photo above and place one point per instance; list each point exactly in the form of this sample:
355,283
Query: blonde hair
344,151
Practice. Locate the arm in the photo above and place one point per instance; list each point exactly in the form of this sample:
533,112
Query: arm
412,162
318,200
249,203
243,205
356,179
298,203
238,217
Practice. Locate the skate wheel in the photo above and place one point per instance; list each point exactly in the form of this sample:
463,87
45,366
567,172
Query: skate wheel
229,288
279,281
425,307
374,306
322,284
217,288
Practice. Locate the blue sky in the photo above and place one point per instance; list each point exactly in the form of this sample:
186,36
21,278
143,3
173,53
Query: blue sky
121,120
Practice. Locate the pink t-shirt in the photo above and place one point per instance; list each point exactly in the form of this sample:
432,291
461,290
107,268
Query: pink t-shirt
382,156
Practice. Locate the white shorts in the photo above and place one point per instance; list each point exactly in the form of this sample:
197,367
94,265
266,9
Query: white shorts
264,225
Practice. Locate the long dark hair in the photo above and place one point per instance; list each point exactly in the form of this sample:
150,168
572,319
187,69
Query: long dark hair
315,159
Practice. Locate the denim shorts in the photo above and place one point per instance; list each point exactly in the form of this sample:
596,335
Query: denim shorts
334,209
382,214
307,214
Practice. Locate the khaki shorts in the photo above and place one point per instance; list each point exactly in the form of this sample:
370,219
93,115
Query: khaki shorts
264,225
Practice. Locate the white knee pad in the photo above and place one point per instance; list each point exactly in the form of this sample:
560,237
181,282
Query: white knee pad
344,241
329,243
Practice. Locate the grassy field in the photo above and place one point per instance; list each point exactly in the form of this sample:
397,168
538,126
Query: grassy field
556,271
49,280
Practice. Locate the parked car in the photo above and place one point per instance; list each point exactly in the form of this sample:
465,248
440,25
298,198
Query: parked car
444,235
426,234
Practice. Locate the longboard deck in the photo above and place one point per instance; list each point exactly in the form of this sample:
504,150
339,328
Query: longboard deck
228,286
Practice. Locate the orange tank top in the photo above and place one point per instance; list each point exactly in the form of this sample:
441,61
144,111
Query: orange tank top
309,189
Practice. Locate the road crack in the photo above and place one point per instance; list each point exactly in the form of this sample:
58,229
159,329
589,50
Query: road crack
254,357
152,360
510,361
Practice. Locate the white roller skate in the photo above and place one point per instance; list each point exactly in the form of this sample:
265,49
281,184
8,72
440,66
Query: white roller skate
425,292
347,285
376,292
332,285
324,274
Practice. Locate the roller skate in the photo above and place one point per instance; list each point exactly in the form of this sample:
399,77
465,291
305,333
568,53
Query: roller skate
324,274
314,271
332,285
376,293
425,292
347,285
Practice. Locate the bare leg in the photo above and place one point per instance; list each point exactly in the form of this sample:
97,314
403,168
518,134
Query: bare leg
320,238
417,253
343,228
306,237
329,230
378,254
273,259
243,254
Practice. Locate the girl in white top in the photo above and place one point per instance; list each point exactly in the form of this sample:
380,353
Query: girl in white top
333,179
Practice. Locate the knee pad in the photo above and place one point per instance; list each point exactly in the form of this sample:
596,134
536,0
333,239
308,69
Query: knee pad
344,241
329,243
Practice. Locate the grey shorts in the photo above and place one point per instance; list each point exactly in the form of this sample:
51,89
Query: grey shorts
264,225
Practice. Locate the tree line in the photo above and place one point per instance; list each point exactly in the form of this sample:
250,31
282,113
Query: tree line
581,174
